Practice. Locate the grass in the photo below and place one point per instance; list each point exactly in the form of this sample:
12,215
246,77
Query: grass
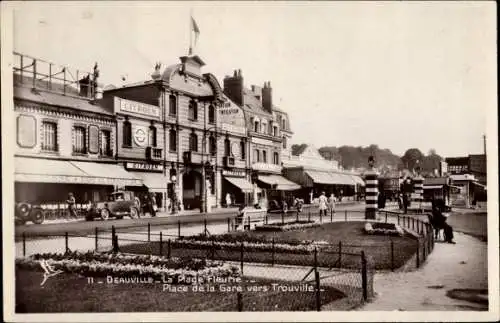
71,293
377,248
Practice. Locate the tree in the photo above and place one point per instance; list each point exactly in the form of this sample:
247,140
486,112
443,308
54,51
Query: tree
410,158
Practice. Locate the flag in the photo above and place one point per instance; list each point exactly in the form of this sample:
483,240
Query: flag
195,29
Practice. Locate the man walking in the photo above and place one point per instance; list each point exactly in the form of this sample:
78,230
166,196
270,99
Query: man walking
71,206
323,202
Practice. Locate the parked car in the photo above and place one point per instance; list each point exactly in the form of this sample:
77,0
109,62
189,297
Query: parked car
118,205
24,212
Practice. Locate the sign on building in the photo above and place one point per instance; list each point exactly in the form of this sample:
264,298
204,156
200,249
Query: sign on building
232,118
129,107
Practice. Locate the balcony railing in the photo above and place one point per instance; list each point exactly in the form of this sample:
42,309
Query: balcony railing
154,154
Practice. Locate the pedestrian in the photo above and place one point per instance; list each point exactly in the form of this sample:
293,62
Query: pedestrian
71,201
298,204
331,203
285,206
323,202
153,205
228,200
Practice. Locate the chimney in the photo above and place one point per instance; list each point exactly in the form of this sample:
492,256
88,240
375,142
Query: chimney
267,97
233,87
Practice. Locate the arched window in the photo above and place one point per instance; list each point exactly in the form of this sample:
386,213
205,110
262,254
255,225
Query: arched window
227,147
256,156
256,126
172,140
284,142
172,106
212,145
211,114
276,160
127,134
152,136
193,110
243,150
193,142
264,156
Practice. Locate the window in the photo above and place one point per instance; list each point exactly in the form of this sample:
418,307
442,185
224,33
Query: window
193,110
270,130
275,133
284,142
172,105
276,159
152,136
256,126
49,133
263,127
193,142
211,114
79,140
105,143
256,156
264,156
227,147
172,140
127,134
284,124
243,150
212,145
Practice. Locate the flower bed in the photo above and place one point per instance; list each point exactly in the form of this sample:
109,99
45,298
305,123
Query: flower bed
279,226
174,270
383,229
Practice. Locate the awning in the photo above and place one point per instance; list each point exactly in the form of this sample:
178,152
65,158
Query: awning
282,183
330,178
153,181
35,170
240,182
358,180
432,187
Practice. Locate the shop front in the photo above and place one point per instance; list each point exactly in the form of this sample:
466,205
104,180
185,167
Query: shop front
49,181
236,188
154,181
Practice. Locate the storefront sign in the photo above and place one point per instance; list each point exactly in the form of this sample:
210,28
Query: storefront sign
144,167
261,141
141,136
232,118
133,107
233,173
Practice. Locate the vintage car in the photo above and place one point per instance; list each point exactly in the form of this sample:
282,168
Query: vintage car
118,205
25,212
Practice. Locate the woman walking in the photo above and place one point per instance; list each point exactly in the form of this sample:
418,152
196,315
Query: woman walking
323,204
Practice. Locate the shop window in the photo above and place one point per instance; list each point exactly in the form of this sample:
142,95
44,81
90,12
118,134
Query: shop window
227,147
211,114
127,134
212,145
105,148
152,136
172,105
276,160
264,156
79,140
193,142
243,150
172,142
193,110
49,136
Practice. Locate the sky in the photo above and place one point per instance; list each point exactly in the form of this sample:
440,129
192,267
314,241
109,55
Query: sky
397,74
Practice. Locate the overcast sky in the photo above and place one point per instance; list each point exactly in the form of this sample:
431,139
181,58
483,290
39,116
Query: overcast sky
396,74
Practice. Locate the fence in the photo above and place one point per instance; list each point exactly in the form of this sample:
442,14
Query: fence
350,283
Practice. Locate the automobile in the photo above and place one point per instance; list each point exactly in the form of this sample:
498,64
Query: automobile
118,205
25,212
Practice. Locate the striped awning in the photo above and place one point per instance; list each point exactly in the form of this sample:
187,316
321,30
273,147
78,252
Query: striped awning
242,183
282,184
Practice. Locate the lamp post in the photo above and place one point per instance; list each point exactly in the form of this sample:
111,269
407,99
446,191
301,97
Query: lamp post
204,165
173,179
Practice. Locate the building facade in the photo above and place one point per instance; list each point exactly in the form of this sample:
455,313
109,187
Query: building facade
65,140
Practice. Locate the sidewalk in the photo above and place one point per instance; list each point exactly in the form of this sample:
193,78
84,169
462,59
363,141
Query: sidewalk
460,266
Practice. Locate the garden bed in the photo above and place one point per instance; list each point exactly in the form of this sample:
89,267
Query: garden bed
388,229
294,247
286,226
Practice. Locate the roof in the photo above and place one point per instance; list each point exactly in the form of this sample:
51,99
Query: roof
60,100
252,104
436,181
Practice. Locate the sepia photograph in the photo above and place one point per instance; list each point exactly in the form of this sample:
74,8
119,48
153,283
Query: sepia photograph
249,161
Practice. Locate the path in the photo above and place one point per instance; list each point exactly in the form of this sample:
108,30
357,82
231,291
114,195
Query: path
464,265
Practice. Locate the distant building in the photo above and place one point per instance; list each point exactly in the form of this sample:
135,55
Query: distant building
469,175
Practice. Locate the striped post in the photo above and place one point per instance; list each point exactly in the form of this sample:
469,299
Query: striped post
418,191
371,178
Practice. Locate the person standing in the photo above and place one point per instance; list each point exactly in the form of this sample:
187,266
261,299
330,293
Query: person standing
228,200
153,206
71,201
331,203
323,202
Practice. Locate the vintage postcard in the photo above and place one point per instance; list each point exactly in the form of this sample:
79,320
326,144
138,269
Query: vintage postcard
249,161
